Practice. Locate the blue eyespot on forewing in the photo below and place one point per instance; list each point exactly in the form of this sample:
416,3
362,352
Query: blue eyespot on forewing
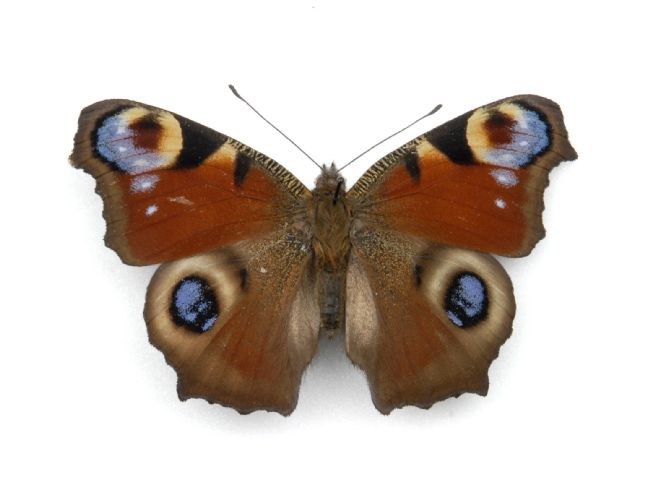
510,135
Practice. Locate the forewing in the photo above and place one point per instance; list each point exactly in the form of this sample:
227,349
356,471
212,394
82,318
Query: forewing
475,182
174,188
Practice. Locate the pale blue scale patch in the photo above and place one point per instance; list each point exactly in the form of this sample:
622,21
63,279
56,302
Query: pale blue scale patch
194,305
115,144
529,138
466,302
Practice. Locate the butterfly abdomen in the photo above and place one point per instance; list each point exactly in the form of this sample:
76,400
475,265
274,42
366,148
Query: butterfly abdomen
331,242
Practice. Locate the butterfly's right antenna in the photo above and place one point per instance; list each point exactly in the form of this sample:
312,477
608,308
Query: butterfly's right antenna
238,96
391,135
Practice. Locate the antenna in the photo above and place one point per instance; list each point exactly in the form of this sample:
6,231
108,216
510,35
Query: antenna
391,135
238,96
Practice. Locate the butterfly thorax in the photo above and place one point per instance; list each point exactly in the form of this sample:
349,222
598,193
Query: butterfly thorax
330,217
330,221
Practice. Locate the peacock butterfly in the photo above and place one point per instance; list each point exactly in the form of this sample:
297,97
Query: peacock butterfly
256,266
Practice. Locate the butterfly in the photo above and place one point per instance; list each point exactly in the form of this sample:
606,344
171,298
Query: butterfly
255,267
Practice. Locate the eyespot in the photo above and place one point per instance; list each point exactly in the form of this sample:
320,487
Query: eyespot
509,135
194,304
466,300
136,140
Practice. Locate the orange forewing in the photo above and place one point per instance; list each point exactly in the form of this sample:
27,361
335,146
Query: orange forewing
461,206
475,182
190,211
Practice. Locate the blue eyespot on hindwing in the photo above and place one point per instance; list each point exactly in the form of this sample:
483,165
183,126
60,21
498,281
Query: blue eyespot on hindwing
466,301
194,304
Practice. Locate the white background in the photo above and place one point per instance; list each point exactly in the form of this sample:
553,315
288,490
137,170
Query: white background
89,408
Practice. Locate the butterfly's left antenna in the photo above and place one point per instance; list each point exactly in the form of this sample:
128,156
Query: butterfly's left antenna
238,96
391,135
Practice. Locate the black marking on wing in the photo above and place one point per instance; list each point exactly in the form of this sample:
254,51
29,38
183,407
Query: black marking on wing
412,167
199,142
417,273
451,139
243,278
242,166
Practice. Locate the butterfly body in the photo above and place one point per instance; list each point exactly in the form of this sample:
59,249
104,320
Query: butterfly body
255,266
331,222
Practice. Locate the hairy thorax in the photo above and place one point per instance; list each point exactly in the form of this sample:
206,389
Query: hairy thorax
331,222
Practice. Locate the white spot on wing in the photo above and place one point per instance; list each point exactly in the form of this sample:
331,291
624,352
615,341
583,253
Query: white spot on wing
263,270
504,177
151,209
499,202
144,183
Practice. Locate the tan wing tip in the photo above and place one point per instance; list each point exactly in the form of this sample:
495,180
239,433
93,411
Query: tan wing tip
555,116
